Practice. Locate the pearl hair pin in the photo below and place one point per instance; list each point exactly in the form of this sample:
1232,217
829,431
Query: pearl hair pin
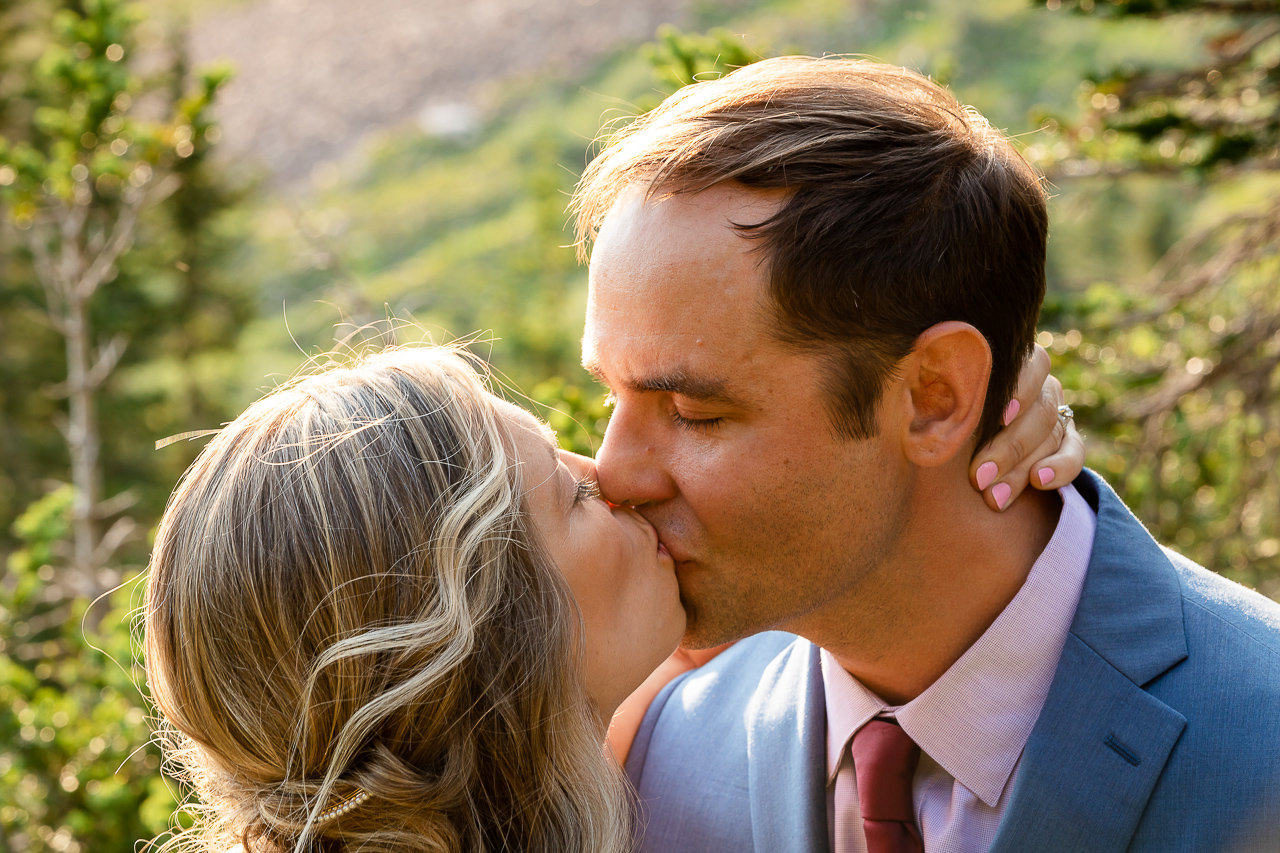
341,807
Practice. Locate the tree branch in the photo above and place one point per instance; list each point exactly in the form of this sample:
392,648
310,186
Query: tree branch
107,360
122,234
50,281
1247,7
115,536
71,221
1237,360
105,259
113,505
1211,7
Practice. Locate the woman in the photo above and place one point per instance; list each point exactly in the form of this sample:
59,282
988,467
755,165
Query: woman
385,613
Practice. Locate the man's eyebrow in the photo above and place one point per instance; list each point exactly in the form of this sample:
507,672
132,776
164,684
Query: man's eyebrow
708,389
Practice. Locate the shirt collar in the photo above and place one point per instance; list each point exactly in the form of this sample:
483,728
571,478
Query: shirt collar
975,719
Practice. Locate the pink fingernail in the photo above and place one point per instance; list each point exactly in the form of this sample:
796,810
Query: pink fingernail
1045,475
986,473
1001,492
1011,411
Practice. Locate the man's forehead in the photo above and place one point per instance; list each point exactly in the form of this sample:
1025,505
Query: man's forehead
678,298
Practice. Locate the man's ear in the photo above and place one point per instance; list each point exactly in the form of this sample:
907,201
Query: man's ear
945,380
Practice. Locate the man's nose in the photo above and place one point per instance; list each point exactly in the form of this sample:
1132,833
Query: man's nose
631,464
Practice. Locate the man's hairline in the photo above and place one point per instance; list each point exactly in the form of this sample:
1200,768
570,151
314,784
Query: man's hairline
656,188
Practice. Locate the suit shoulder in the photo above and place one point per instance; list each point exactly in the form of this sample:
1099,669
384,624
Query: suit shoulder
715,696
1235,609
691,759
734,675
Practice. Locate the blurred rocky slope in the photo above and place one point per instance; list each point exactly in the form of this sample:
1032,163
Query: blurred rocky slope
313,77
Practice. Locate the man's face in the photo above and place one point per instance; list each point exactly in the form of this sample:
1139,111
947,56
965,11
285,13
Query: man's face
719,434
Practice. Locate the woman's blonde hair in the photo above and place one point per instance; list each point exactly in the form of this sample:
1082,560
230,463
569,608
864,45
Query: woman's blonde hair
346,596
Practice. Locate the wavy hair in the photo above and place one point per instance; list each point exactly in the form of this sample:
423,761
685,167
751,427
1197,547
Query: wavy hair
345,595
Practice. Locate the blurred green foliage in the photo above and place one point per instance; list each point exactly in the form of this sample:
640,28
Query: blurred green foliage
679,58
77,770
106,192
1176,373
71,143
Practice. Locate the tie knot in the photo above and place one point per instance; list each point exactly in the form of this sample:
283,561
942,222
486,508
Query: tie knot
884,761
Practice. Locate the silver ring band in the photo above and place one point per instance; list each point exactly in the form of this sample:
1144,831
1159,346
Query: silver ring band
1065,415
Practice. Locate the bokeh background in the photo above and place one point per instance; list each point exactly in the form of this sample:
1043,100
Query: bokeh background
195,197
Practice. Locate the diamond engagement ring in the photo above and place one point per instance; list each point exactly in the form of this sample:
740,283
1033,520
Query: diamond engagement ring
1065,415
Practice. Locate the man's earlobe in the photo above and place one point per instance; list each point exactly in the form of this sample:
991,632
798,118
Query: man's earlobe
946,382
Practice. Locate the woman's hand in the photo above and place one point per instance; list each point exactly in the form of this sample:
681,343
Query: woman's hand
1034,447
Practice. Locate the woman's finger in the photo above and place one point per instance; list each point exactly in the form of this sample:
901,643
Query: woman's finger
1031,383
1062,466
1031,433
1026,471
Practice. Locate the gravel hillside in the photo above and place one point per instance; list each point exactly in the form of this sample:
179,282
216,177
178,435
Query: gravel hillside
313,77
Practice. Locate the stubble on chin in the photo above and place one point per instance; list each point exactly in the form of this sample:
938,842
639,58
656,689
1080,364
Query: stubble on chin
716,620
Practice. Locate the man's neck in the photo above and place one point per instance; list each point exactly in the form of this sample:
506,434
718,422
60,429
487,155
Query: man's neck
957,566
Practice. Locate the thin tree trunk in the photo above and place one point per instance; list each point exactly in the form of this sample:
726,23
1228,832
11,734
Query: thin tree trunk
85,258
82,436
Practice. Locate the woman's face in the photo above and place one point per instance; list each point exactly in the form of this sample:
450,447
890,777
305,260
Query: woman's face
622,577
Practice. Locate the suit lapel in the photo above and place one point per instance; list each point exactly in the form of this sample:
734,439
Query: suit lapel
785,746
1091,762
1102,741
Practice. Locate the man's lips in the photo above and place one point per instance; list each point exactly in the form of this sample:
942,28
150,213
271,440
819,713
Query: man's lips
673,551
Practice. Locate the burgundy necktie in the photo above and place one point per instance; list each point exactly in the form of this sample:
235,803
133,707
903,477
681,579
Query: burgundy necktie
884,761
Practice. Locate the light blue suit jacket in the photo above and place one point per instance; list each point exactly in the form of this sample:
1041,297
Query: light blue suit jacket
1161,731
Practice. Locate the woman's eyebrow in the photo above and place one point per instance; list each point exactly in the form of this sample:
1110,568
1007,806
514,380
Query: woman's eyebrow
553,446
566,486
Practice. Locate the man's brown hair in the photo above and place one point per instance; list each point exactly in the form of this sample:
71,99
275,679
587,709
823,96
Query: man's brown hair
906,210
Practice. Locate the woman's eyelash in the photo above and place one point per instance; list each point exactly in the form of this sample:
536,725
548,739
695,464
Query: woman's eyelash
586,489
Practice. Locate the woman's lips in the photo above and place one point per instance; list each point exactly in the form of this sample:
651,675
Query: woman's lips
662,550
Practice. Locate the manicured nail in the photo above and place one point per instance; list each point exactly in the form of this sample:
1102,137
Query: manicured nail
1011,411
986,473
1001,492
1045,475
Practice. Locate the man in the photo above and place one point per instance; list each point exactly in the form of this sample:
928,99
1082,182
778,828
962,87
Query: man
812,284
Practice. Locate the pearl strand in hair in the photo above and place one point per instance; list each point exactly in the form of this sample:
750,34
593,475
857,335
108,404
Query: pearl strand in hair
341,807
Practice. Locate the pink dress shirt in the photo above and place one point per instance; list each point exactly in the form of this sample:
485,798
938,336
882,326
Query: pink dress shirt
973,722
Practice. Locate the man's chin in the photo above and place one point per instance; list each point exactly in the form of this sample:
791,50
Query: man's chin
704,634
710,620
